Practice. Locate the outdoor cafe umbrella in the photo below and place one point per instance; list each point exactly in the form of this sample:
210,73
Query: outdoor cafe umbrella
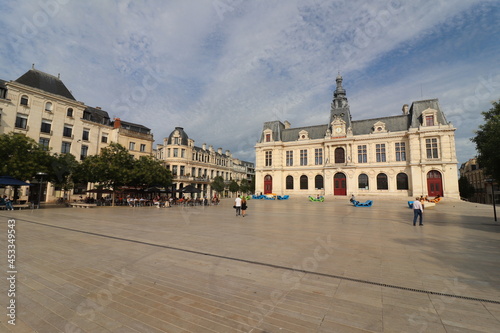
11,181
15,183
191,189
100,190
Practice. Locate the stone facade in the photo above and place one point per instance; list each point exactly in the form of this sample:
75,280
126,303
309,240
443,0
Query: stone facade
198,166
40,106
483,185
411,154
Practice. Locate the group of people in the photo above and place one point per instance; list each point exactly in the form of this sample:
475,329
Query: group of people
7,202
240,204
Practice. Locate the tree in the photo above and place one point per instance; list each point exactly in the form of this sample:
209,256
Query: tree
63,168
218,184
113,167
466,189
487,142
22,157
233,186
150,172
244,186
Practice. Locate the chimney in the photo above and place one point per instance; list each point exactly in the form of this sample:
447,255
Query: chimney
219,150
405,109
98,107
211,148
117,123
287,124
228,153
204,146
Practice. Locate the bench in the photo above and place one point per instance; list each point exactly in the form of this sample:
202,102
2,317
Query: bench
22,206
18,206
82,205
368,203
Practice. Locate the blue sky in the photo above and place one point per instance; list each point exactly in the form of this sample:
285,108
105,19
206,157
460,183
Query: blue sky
220,68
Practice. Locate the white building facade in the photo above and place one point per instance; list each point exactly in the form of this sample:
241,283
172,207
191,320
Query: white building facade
198,166
40,106
411,154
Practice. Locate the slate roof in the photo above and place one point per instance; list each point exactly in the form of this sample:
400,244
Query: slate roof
135,127
97,115
392,124
46,82
2,84
314,132
276,126
184,136
419,106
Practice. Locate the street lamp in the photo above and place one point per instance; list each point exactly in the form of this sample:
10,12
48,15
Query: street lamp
41,174
490,181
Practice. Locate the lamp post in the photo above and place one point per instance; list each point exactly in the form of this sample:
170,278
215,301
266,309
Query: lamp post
41,174
490,181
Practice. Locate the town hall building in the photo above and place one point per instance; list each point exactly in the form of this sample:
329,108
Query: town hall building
410,154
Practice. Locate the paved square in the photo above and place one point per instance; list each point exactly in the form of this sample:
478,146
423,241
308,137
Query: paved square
289,266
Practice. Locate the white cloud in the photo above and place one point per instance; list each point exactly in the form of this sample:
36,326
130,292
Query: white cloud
221,68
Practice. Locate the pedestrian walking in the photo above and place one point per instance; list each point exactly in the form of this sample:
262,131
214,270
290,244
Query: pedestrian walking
237,205
418,210
243,206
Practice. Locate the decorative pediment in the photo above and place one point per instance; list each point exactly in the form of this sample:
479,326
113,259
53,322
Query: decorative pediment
429,117
379,127
303,135
338,127
268,135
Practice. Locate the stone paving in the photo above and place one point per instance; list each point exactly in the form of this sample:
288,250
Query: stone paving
289,266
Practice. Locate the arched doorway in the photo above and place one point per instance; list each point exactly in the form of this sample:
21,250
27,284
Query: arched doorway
339,184
434,183
268,184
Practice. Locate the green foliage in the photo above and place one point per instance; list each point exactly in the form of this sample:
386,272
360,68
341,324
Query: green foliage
112,167
63,167
22,157
487,142
234,187
218,184
150,172
244,186
466,189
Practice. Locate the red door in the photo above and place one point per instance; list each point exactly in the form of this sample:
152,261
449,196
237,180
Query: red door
268,184
339,184
434,184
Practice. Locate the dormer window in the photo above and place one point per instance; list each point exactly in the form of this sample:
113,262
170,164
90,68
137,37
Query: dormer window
303,135
69,112
379,127
268,135
24,100
429,117
48,107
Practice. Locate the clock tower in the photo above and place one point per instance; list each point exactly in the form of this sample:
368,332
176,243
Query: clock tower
340,116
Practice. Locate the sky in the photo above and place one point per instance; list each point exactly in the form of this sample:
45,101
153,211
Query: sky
221,68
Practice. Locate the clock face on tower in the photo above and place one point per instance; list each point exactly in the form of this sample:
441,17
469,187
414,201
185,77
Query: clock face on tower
338,130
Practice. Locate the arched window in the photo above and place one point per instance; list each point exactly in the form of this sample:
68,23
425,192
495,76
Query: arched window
402,181
304,182
24,100
289,182
318,182
382,182
48,106
339,155
69,112
363,181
